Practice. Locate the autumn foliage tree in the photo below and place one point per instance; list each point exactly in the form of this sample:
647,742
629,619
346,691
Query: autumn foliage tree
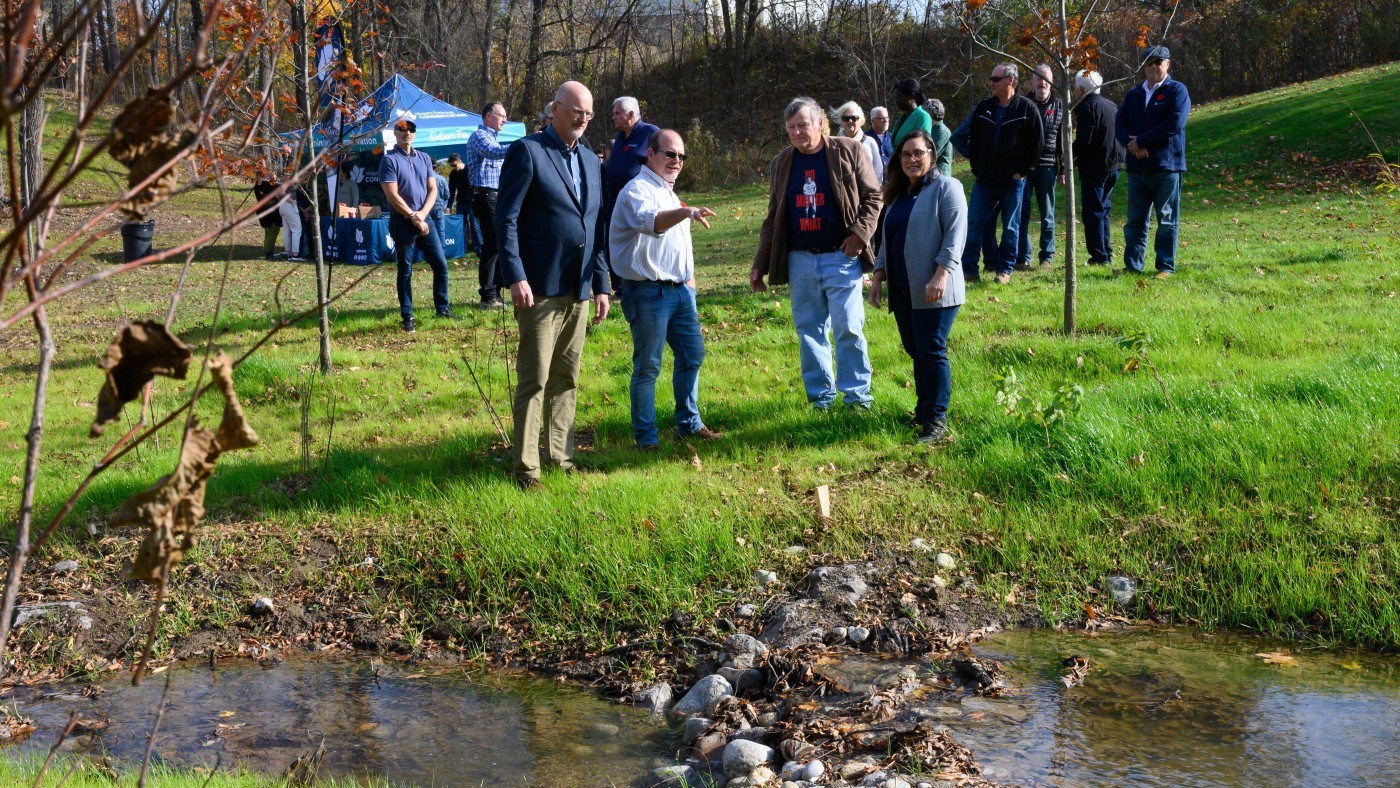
1060,33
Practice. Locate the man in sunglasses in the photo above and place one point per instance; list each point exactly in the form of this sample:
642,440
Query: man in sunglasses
550,235
1151,124
406,176
1004,144
655,265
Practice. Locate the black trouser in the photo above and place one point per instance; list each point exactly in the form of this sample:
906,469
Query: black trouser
488,273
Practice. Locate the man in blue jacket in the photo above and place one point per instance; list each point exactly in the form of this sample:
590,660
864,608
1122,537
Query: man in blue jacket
549,228
1151,124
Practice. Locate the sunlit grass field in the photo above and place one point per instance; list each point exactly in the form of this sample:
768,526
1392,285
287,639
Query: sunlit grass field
1265,496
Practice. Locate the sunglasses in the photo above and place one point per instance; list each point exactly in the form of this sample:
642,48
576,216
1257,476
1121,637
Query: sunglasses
850,118
996,79
670,154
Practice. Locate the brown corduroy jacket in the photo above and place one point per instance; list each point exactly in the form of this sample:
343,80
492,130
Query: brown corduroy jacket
857,194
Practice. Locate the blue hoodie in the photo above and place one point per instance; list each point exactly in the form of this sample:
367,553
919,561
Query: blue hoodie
1158,124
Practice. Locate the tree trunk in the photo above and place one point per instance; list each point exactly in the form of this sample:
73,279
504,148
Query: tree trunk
1071,234
304,95
532,54
488,25
298,24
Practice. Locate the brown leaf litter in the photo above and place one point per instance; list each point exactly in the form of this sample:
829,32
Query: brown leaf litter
145,137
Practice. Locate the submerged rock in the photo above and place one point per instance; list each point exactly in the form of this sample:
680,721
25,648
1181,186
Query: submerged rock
677,775
694,727
654,698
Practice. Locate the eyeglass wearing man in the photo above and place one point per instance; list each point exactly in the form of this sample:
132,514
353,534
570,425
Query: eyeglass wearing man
406,176
485,155
1040,181
654,262
1151,124
551,236
1004,143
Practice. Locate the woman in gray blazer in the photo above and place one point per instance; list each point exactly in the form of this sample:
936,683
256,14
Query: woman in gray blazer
925,228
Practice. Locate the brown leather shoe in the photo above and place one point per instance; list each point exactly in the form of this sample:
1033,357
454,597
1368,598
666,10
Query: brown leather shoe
705,434
529,484
1003,279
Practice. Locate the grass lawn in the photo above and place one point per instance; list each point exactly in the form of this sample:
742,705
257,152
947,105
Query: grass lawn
1267,498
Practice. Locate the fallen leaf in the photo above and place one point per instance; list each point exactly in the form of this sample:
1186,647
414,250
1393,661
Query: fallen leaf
227,713
368,726
1278,658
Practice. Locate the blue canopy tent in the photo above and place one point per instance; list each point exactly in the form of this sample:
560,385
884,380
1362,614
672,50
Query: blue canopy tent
367,130
361,135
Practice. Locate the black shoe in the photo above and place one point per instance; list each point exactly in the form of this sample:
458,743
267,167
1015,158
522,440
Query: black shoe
408,325
650,448
529,484
1026,266
446,314
932,433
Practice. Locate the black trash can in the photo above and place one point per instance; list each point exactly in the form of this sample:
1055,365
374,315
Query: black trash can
136,239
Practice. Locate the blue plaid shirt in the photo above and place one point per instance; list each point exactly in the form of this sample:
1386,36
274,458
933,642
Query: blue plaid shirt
484,157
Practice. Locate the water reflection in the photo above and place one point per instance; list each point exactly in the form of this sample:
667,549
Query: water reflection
1180,709
412,725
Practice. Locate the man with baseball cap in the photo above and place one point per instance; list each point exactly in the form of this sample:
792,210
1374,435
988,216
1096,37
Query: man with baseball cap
1151,124
406,175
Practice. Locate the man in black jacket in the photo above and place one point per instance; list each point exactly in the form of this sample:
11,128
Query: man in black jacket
1003,147
1040,183
1099,158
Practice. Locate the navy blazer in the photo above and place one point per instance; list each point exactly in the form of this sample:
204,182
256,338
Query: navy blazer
545,235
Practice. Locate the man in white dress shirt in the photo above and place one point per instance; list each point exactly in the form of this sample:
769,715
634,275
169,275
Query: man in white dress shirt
649,239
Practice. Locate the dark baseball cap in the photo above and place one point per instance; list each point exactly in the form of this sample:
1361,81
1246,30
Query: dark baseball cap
406,125
1154,53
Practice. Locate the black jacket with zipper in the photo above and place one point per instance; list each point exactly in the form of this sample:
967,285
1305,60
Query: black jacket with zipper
995,159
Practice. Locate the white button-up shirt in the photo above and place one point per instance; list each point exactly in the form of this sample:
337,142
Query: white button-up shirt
639,253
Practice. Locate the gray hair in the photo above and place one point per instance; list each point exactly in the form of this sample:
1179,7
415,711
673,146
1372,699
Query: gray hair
1010,70
1045,72
936,110
629,104
878,111
1088,81
814,111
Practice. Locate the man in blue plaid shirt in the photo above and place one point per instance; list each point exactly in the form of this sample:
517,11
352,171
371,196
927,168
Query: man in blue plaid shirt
484,157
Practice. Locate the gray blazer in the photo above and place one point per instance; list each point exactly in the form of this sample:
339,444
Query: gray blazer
937,233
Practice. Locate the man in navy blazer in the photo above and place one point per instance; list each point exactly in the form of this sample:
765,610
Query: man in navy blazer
1151,124
551,242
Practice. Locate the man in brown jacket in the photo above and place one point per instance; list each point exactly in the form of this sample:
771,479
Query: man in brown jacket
823,206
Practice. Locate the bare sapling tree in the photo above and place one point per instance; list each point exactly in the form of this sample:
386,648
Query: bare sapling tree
177,126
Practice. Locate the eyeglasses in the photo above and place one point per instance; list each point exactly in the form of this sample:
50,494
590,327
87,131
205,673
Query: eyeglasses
914,154
851,118
1156,61
405,131
586,114
995,78
670,154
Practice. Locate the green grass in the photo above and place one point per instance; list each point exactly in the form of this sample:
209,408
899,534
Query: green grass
1266,500
88,774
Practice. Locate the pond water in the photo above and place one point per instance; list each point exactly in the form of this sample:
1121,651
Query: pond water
414,725
1179,708
1156,708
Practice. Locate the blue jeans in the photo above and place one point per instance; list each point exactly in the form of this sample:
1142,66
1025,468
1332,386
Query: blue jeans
1097,191
430,245
986,203
663,314
924,334
1152,193
826,295
1040,183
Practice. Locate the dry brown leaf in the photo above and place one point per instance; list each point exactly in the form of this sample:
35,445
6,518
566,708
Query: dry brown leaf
172,509
145,136
140,351
1278,658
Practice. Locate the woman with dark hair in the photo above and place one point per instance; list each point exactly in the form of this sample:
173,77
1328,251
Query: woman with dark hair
925,228
909,98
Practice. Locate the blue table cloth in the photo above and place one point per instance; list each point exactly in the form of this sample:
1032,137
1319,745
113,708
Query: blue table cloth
367,241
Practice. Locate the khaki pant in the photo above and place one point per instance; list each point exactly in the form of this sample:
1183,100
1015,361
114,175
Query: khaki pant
551,353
